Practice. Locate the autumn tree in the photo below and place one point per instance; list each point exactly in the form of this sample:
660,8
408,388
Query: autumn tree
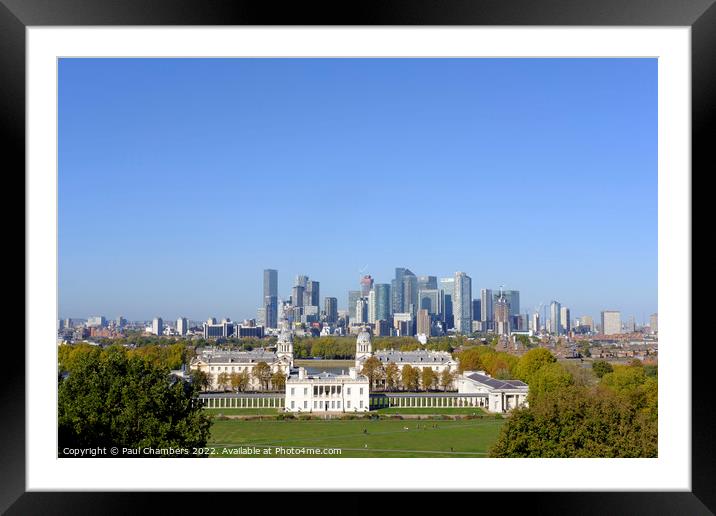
531,361
278,380
410,377
262,373
222,381
446,379
428,378
373,369
392,376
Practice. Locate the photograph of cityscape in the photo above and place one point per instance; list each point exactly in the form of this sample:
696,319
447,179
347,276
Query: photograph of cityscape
357,257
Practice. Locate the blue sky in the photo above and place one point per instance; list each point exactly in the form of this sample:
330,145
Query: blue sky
180,180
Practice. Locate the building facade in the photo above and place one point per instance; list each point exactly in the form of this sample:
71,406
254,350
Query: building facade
462,303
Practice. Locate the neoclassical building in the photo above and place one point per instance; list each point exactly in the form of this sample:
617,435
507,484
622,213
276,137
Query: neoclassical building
214,362
327,392
500,395
438,361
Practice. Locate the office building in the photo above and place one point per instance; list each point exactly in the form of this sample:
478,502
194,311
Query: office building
502,316
297,295
158,326
487,315
270,283
330,308
447,290
476,310
654,323
462,303
429,299
182,326
555,318
371,307
424,322
353,297
366,285
361,310
97,321
611,322
382,301
311,295
565,323
427,283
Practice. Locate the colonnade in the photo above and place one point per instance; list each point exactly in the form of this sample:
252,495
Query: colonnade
277,401
458,400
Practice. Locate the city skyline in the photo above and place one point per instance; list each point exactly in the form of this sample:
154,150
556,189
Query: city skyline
180,181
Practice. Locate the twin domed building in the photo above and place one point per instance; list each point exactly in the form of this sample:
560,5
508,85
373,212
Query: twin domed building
215,362
350,391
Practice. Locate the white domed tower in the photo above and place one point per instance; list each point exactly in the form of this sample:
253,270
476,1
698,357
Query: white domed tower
364,348
284,347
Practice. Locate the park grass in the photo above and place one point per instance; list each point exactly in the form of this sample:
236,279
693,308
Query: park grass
264,411
356,438
430,410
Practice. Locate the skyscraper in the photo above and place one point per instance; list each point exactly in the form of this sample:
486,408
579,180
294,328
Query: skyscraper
371,307
270,283
157,326
512,298
565,323
301,281
366,284
405,291
361,310
382,301
555,317
462,303
654,323
427,283
311,294
423,322
330,307
611,322
502,315
353,297
182,326
476,309
429,299
447,288
487,315
297,295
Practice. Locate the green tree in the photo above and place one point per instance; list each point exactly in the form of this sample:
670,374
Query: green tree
580,422
548,378
392,376
601,367
201,379
409,377
116,400
531,361
262,373
428,378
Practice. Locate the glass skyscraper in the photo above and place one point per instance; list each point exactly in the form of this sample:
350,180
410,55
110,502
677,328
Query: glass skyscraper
462,303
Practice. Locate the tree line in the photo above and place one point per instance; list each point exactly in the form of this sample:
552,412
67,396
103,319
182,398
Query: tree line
606,411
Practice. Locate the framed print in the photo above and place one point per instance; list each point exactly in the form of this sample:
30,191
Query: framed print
226,207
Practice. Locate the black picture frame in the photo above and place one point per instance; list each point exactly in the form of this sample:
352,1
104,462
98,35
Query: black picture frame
700,15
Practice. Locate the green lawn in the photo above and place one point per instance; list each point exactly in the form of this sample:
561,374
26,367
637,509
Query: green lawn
387,438
242,411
